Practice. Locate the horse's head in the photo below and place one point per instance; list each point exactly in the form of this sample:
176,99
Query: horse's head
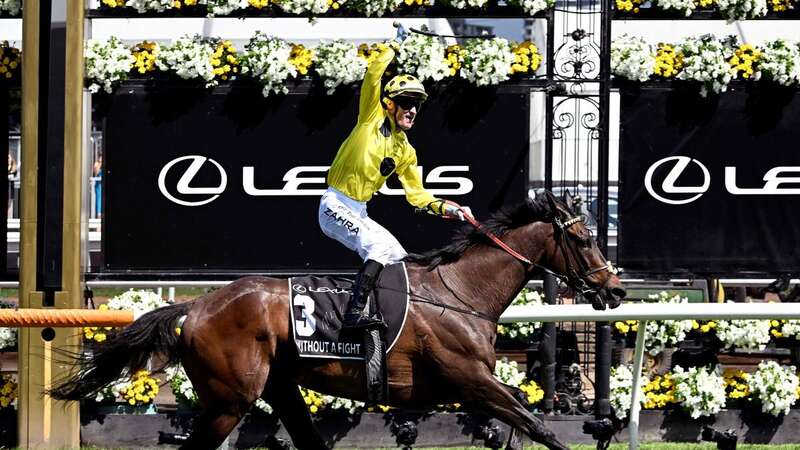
576,256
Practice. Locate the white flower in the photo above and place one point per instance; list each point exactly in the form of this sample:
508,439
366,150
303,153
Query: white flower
533,6
705,60
487,61
663,333
700,390
222,7
745,334
733,10
791,328
10,7
632,58
304,6
107,63
333,403
621,385
463,4
687,6
522,330
376,7
189,58
780,62
8,337
337,63
266,59
423,57
142,6
775,386
506,372
138,301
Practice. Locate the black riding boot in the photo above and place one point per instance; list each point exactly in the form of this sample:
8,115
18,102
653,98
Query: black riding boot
356,317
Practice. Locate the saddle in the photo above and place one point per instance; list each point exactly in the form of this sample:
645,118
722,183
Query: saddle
317,308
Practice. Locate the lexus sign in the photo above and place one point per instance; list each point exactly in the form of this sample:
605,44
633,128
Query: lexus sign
226,181
709,186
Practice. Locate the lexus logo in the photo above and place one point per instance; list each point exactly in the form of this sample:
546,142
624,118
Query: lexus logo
298,181
677,194
208,194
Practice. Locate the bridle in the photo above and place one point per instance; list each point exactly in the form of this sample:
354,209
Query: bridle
576,276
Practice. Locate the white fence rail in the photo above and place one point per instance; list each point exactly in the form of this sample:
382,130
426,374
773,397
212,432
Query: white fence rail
643,312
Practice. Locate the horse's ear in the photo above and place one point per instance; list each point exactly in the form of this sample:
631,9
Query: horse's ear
551,201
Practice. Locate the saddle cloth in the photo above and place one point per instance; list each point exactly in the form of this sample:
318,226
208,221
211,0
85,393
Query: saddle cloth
318,305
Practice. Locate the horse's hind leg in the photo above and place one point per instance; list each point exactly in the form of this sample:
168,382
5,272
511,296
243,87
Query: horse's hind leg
287,401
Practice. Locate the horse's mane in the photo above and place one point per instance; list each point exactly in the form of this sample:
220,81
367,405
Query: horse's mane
507,218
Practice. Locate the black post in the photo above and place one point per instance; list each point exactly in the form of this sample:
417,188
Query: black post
548,350
52,66
602,406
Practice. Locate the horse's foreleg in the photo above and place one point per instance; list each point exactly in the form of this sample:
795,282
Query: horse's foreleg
487,394
287,401
210,429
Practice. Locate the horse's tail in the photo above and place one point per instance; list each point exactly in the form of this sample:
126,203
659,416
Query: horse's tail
127,351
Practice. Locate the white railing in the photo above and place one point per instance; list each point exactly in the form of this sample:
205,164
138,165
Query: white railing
643,312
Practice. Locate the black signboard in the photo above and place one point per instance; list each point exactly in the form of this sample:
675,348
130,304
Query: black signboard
226,180
710,185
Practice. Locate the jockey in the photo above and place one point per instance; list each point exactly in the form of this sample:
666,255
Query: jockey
376,148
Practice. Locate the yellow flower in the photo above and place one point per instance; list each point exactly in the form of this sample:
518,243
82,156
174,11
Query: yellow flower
780,5
704,3
526,58
743,62
668,61
300,57
628,5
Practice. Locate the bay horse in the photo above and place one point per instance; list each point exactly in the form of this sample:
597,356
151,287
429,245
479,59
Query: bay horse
236,343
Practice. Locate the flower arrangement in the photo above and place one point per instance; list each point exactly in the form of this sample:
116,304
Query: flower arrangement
660,333
687,6
522,330
300,57
141,389
488,61
306,6
9,390
745,60
337,62
780,5
424,57
107,64
260,4
507,372
704,326
533,393
632,58
10,62
526,58
700,390
736,384
454,55
785,329
745,334
375,7
780,62
8,338
143,6
222,7
464,4
531,7
138,301
733,10
268,60
775,386
179,4
660,392
189,58
342,404
629,6
224,60
621,385
10,7
705,60
144,54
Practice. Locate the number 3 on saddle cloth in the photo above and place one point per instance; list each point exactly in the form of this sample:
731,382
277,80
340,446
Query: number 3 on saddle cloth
318,305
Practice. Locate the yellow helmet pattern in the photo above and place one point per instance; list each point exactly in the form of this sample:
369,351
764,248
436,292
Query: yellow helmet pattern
407,85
